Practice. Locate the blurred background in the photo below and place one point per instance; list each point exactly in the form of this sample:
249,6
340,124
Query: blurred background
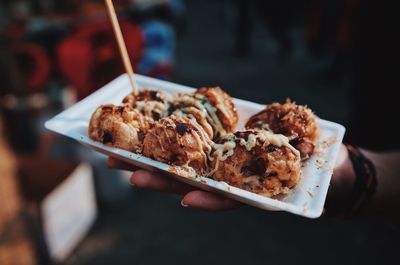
60,204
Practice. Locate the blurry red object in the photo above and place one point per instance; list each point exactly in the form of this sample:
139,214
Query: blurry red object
163,71
90,58
34,65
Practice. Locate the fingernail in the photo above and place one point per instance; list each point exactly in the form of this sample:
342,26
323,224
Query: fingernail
183,204
131,183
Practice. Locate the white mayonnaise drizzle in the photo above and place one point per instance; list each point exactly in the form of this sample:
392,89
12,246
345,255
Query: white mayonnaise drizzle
277,140
147,107
217,122
250,143
225,150
206,140
206,110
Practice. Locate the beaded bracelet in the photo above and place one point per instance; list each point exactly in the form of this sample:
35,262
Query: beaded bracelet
363,188
366,181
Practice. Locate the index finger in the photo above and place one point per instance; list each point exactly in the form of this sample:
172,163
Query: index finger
206,200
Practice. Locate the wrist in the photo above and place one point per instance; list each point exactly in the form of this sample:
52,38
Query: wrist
353,184
343,177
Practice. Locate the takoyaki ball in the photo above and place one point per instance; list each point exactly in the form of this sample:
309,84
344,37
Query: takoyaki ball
257,161
178,141
119,126
225,109
150,102
211,107
296,122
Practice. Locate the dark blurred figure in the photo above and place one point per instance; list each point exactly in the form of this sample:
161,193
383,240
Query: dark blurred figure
360,35
331,24
331,29
375,97
278,16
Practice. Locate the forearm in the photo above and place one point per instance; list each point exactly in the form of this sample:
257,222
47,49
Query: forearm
385,202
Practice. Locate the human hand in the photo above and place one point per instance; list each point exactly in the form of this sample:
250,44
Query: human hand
342,181
192,198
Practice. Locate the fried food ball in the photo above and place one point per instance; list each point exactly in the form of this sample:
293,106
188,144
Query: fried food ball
257,161
178,141
119,126
296,122
225,109
212,107
150,102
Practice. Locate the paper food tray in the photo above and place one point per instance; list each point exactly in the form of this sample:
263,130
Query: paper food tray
307,199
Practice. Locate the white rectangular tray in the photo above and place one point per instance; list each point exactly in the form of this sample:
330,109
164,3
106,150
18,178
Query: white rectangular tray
307,199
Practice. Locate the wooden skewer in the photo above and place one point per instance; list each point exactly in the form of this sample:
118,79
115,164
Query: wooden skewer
121,44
